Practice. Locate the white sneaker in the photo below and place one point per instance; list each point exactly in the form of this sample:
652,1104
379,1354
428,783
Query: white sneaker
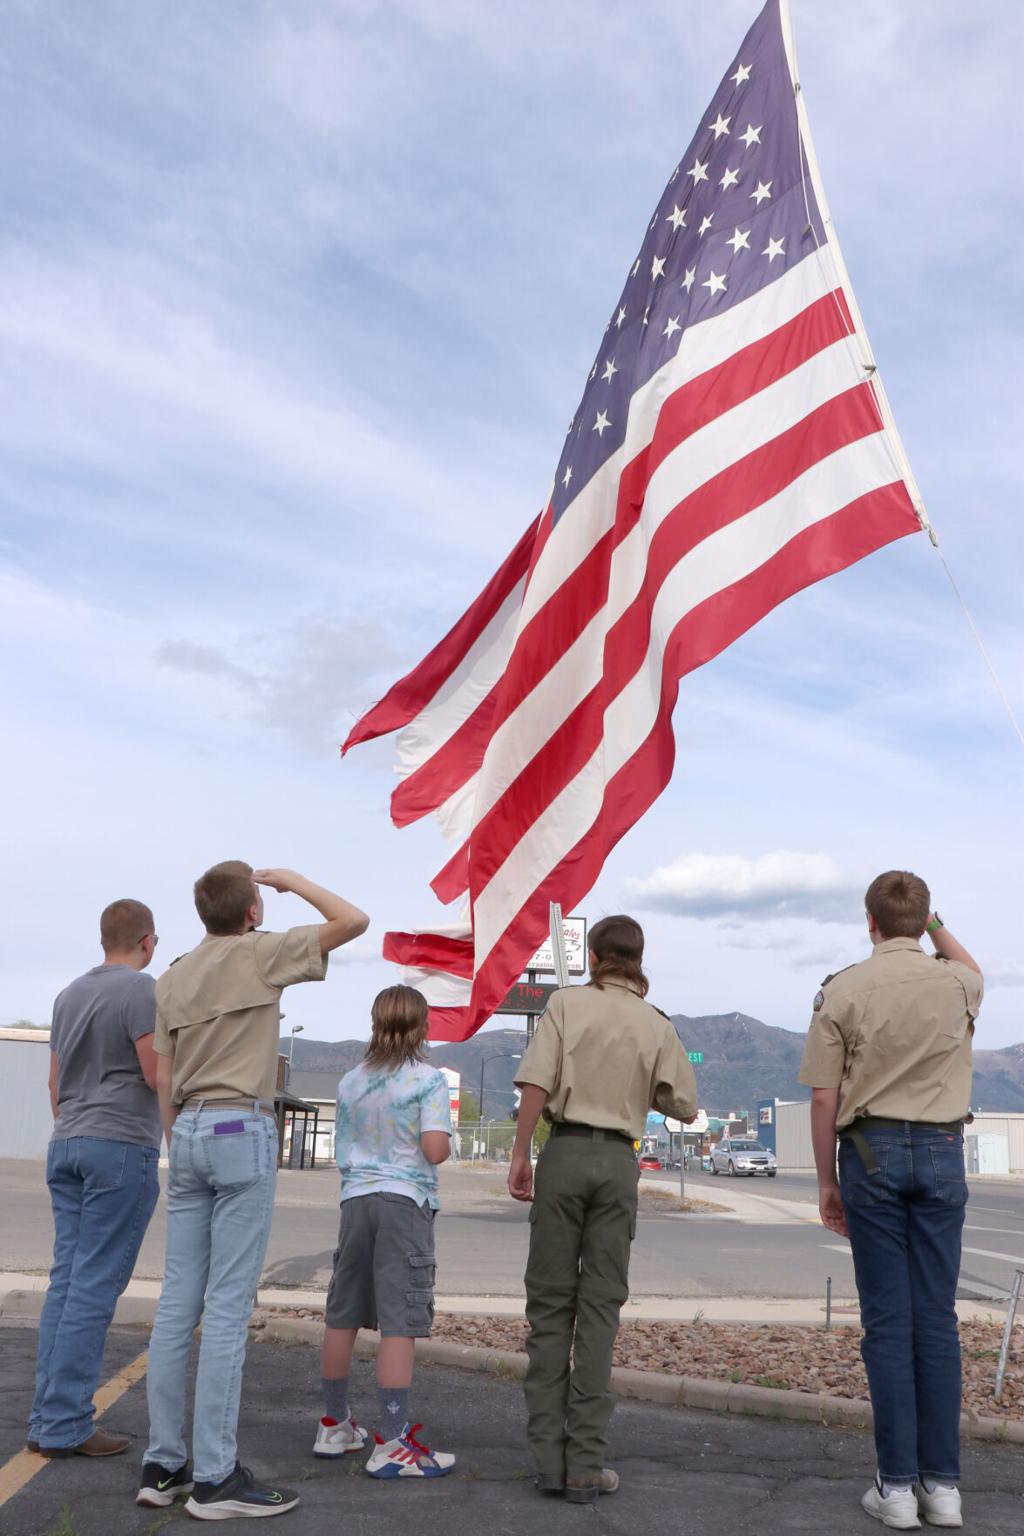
941,1507
406,1457
337,1439
897,1508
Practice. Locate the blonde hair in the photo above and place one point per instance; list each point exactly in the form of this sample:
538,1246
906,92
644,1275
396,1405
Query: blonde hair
399,1028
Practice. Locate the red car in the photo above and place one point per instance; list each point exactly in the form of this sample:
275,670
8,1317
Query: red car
649,1163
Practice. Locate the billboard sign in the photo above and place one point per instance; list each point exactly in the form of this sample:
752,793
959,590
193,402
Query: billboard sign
574,932
527,997
454,1092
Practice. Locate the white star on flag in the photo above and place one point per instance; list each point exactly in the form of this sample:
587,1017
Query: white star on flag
742,73
610,371
729,179
739,240
658,266
698,171
677,218
774,248
671,326
600,424
714,284
752,135
705,224
761,191
720,126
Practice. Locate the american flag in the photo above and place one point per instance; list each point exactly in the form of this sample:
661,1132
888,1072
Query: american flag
733,445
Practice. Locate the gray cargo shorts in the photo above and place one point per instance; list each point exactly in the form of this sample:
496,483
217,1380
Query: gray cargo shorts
384,1267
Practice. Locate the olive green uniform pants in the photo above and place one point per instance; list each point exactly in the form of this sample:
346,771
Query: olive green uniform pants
582,1222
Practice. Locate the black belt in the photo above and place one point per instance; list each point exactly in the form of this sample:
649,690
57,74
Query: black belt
572,1128
855,1133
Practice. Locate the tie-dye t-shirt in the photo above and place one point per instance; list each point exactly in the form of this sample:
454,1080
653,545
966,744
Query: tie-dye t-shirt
380,1119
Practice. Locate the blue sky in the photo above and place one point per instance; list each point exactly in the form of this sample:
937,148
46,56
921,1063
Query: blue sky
295,303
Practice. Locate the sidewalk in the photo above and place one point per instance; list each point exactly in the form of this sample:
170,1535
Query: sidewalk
681,1470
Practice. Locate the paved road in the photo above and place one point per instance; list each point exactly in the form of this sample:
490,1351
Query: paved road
679,1469
482,1238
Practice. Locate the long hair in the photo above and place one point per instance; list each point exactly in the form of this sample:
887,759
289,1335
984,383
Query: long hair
617,944
399,1028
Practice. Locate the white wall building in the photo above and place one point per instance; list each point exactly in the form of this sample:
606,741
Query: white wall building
993,1142
26,1121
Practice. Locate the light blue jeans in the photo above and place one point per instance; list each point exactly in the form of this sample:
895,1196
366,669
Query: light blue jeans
220,1203
103,1194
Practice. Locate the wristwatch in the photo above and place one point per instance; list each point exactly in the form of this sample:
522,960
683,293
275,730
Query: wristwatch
936,922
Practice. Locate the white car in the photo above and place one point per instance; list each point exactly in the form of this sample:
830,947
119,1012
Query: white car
741,1154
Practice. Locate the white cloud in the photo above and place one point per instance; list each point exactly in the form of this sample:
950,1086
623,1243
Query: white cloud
1003,973
780,884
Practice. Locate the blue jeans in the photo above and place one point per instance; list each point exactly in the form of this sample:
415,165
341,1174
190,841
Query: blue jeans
905,1224
220,1202
103,1194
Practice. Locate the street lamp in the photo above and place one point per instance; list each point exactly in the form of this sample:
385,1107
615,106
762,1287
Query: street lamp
296,1029
494,1056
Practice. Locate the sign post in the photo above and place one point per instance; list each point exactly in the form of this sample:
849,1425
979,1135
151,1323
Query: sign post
675,1128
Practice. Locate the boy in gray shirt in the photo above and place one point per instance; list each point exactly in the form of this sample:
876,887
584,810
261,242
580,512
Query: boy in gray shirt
101,1170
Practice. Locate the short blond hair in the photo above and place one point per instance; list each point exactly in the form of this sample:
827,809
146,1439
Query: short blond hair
123,924
899,903
399,1026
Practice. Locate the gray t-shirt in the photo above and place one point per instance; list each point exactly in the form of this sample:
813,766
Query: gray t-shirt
100,1087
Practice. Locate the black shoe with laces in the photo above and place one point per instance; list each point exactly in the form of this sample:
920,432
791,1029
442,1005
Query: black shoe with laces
239,1497
161,1487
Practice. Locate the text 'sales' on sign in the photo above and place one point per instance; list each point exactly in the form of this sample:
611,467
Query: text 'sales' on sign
574,934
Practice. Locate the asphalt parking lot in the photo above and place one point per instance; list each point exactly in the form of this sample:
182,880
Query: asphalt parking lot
681,1471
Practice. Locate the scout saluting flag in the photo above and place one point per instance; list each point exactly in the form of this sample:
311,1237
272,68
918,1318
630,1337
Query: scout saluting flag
733,444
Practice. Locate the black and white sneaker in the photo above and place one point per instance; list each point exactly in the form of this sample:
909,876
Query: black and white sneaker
239,1497
160,1487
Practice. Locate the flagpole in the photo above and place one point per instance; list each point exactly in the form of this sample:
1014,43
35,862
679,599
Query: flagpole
809,159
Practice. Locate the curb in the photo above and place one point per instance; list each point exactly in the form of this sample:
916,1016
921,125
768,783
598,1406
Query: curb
644,1386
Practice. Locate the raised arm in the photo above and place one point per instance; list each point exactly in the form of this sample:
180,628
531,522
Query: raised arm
344,921
948,947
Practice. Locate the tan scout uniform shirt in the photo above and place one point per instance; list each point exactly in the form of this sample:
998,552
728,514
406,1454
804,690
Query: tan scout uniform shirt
218,1011
606,1057
893,1034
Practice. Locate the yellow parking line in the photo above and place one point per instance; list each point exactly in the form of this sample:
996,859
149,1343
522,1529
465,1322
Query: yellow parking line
23,1467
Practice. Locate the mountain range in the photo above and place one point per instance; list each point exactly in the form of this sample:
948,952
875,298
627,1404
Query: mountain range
744,1060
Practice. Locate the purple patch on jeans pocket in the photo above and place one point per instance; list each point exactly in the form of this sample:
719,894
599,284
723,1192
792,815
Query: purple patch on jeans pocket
228,1127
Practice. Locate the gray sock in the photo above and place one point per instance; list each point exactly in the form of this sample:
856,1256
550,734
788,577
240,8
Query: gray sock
392,1411
335,1397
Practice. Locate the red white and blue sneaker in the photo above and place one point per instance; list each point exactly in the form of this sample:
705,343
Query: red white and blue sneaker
407,1457
339,1437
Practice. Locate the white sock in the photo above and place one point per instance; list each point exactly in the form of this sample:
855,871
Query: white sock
888,1488
931,1485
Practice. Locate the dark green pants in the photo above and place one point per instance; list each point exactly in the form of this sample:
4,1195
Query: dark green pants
582,1223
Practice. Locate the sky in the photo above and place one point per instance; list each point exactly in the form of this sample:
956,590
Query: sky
295,302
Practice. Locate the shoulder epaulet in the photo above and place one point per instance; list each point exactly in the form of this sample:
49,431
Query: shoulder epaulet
177,958
819,996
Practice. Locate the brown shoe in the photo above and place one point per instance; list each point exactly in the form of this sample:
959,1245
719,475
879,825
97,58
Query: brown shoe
99,1443
587,1490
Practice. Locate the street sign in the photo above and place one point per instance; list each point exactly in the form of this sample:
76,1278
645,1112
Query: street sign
574,931
527,997
673,1126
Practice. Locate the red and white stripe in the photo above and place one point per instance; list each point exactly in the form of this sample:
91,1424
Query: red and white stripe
758,460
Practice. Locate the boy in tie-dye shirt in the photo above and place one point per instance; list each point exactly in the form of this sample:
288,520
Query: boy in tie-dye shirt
393,1128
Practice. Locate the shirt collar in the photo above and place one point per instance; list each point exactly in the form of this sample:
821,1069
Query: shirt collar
621,983
888,945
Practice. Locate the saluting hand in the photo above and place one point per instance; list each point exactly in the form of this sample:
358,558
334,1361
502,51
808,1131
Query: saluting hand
277,879
520,1178
830,1209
